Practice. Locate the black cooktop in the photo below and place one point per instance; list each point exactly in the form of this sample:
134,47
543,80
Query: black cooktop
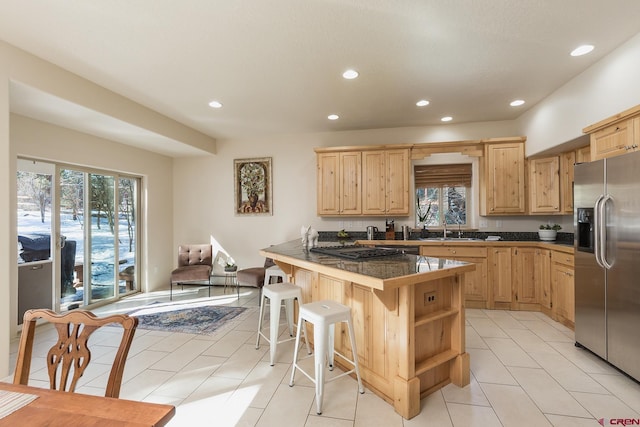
356,252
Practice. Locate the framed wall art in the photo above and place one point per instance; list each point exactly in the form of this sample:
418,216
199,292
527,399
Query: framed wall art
252,186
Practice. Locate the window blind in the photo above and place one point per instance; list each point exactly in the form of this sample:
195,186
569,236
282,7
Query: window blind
458,175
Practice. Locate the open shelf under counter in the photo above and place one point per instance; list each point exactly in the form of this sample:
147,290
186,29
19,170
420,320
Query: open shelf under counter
432,317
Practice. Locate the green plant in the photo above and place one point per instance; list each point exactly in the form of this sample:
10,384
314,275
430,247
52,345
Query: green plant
252,179
555,227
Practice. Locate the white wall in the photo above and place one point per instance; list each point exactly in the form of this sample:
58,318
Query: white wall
608,87
34,139
203,187
50,143
8,253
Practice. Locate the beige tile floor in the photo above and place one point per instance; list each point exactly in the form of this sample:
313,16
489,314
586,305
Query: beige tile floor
525,372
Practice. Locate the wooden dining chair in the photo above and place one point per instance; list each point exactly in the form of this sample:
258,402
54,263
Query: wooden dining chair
70,356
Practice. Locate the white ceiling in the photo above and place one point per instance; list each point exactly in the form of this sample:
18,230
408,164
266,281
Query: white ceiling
276,65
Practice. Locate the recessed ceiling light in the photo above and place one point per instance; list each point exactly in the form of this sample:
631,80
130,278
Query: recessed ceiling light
517,103
582,50
333,117
350,74
215,104
422,103
446,119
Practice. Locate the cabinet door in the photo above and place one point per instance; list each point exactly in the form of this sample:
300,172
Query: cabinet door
339,183
563,293
502,186
350,183
544,175
583,155
567,162
328,184
531,270
397,183
374,183
476,282
500,276
613,140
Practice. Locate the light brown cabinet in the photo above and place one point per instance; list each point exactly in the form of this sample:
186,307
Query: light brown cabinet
563,288
499,261
385,179
567,163
475,283
515,277
363,182
531,277
544,188
583,154
502,179
616,139
339,183
551,182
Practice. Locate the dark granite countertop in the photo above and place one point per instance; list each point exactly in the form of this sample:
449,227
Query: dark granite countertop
375,272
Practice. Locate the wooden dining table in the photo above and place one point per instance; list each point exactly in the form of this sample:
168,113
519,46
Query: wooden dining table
58,408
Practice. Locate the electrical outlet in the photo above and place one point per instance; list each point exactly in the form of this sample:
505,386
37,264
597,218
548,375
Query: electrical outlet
499,223
429,298
484,223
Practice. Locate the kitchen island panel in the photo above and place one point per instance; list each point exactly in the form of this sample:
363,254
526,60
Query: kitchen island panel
408,318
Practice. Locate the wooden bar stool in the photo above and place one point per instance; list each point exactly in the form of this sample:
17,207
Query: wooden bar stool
276,294
324,315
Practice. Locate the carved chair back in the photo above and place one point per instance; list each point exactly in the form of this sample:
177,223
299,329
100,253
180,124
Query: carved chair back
70,355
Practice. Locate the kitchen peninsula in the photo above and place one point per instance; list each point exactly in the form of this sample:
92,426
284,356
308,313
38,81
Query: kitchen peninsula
408,313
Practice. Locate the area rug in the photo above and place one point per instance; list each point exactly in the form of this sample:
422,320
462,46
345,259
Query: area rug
190,319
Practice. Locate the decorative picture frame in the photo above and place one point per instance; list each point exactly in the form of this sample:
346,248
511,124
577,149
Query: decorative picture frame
252,186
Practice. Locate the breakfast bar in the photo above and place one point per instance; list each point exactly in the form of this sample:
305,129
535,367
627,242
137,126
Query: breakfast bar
408,313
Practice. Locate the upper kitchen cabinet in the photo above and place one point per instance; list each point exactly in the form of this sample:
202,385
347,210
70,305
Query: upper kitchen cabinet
359,181
385,182
567,163
544,191
339,183
583,155
502,177
616,135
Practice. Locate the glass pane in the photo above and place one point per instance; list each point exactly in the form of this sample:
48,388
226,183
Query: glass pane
72,228
34,216
102,237
455,200
127,234
427,206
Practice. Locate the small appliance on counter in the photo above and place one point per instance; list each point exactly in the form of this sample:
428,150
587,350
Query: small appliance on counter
371,232
390,233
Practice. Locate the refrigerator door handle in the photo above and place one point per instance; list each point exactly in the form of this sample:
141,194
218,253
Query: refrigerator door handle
597,213
603,231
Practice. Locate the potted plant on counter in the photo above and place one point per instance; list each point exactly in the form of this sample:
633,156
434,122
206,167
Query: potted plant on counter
548,232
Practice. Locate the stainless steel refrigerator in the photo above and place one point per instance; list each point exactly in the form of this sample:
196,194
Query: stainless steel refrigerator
607,259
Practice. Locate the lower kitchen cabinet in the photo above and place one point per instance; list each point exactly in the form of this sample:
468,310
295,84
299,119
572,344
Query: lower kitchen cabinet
500,277
563,289
518,277
531,277
475,283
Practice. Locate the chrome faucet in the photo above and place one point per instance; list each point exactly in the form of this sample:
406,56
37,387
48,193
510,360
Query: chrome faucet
444,228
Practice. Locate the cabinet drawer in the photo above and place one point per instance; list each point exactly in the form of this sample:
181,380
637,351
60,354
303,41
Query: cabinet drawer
453,251
562,258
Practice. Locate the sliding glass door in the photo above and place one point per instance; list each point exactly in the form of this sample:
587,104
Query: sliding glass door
98,222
